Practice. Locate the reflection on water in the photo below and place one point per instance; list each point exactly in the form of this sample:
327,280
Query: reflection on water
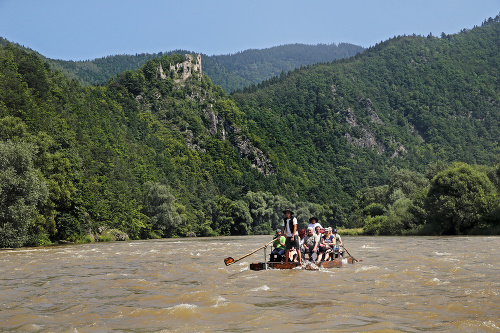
403,284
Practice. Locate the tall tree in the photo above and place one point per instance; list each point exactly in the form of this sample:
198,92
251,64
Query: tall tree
458,198
162,208
21,190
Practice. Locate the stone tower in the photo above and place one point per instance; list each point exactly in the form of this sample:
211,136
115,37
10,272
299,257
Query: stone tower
160,73
189,67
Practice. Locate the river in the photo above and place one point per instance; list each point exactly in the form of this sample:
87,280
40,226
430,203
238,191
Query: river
402,284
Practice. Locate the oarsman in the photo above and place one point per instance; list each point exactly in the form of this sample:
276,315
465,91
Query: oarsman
289,229
313,223
279,245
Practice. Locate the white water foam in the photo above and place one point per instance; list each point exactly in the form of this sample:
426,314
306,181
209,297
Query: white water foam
436,281
262,288
490,324
220,301
367,268
442,254
370,247
182,306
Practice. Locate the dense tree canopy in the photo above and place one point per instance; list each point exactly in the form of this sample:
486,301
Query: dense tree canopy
366,142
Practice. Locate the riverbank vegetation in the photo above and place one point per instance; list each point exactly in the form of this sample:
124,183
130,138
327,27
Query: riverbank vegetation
402,139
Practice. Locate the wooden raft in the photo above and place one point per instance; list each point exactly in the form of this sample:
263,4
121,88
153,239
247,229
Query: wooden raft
338,262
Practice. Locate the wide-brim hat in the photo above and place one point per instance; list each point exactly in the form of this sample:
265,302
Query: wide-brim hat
288,210
313,218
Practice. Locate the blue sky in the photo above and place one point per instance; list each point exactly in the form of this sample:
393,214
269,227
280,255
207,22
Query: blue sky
80,30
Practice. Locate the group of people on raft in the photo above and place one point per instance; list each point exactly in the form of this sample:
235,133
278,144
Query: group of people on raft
317,241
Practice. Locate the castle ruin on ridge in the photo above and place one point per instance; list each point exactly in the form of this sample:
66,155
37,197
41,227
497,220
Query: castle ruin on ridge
183,70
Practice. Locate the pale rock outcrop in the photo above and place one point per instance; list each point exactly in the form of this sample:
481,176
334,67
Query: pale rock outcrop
160,73
374,118
366,141
350,118
400,151
187,68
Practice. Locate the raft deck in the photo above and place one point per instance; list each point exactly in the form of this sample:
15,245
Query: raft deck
338,262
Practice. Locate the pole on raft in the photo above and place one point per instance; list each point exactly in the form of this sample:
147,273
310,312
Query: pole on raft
265,258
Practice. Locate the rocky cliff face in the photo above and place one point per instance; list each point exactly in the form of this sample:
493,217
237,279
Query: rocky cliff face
217,125
367,139
245,147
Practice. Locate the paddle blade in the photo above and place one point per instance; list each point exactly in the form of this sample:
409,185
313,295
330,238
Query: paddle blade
228,261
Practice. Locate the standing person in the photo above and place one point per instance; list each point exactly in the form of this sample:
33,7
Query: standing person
302,234
289,229
279,245
313,223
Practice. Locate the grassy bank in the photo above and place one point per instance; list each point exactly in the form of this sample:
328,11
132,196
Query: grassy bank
350,232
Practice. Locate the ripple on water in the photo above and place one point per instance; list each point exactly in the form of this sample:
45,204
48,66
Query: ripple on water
435,282
366,246
220,301
261,288
441,253
367,268
183,310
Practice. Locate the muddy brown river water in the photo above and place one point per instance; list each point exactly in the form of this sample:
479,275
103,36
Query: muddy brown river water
403,284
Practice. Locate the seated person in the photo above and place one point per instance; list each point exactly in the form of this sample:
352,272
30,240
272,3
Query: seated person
319,230
311,242
279,245
338,241
326,246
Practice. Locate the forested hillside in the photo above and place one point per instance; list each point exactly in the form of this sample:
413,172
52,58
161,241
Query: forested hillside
154,153
400,139
410,103
232,71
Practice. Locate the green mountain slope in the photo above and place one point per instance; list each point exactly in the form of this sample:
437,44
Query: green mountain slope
407,102
150,154
232,72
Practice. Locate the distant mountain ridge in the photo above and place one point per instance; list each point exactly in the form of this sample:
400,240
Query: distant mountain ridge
231,72
240,70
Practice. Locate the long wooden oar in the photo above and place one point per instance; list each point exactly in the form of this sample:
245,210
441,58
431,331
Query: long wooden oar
349,254
229,261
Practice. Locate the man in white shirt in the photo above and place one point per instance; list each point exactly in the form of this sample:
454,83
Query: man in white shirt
313,223
289,229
